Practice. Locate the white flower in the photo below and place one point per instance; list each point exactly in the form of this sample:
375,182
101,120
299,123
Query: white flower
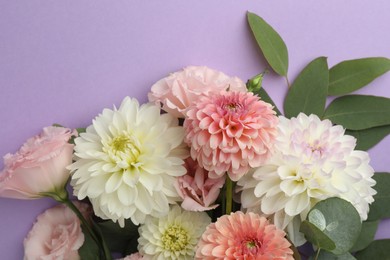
174,236
127,161
313,161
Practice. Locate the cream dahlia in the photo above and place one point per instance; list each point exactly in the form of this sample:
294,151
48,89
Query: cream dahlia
127,161
243,236
174,236
230,132
313,161
180,89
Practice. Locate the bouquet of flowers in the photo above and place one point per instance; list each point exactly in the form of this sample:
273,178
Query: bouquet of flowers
211,169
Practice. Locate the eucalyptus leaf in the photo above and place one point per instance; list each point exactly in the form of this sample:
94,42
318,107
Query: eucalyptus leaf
351,75
380,208
89,249
266,98
368,138
314,235
339,221
358,112
270,43
377,250
329,256
309,90
366,236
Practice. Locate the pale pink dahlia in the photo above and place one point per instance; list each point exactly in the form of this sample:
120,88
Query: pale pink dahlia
179,90
243,236
230,132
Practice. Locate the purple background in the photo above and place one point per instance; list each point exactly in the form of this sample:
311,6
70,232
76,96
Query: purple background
63,62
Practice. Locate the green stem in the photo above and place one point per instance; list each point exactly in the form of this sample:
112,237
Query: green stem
288,82
317,254
229,195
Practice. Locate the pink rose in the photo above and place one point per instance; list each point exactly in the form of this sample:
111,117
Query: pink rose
56,234
197,190
39,166
180,89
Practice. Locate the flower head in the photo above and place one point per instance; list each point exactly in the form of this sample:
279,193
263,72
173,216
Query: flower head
172,237
180,89
197,190
39,166
230,132
127,161
243,236
56,234
313,161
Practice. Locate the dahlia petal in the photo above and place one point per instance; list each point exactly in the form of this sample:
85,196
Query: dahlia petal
113,182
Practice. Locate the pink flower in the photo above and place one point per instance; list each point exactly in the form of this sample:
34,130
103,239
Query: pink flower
230,132
39,166
243,236
180,89
56,234
197,190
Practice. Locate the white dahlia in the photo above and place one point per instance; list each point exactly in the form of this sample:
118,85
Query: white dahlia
127,160
174,236
313,161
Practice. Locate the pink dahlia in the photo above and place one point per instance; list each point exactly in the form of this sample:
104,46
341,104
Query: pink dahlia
243,236
182,88
230,132
197,190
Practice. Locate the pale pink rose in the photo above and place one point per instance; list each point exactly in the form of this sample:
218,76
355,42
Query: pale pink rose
243,236
230,132
39,166
56,235
180,89
197,190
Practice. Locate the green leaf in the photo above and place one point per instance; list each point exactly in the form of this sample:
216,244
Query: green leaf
119,239
366,236
339,221
380,208
89,250
350,75
358,112
329,256
314,235
266,98
270,43
368,138
377,250
308,92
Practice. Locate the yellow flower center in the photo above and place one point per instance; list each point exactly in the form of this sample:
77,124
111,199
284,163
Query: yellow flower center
175,238
123,147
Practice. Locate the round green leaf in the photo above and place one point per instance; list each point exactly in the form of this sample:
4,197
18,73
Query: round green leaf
270,43
308,92
358,112
366,236
350,75
339,221
368,138
329,256
316,236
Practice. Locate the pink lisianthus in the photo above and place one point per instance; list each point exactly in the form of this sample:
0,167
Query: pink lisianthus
243,236
56,234
230,132
197,190
39,166
180,89
135,256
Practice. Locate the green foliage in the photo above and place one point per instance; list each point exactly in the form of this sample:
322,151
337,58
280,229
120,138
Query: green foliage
368,138
358,112
309,90
350,75
89,250
324,255
366,236
335,219
380,208
270,43
377,250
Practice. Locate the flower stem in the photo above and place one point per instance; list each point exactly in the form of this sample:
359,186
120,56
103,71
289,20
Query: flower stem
317,254
229,195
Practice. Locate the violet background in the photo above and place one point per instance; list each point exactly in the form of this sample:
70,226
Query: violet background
64,61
